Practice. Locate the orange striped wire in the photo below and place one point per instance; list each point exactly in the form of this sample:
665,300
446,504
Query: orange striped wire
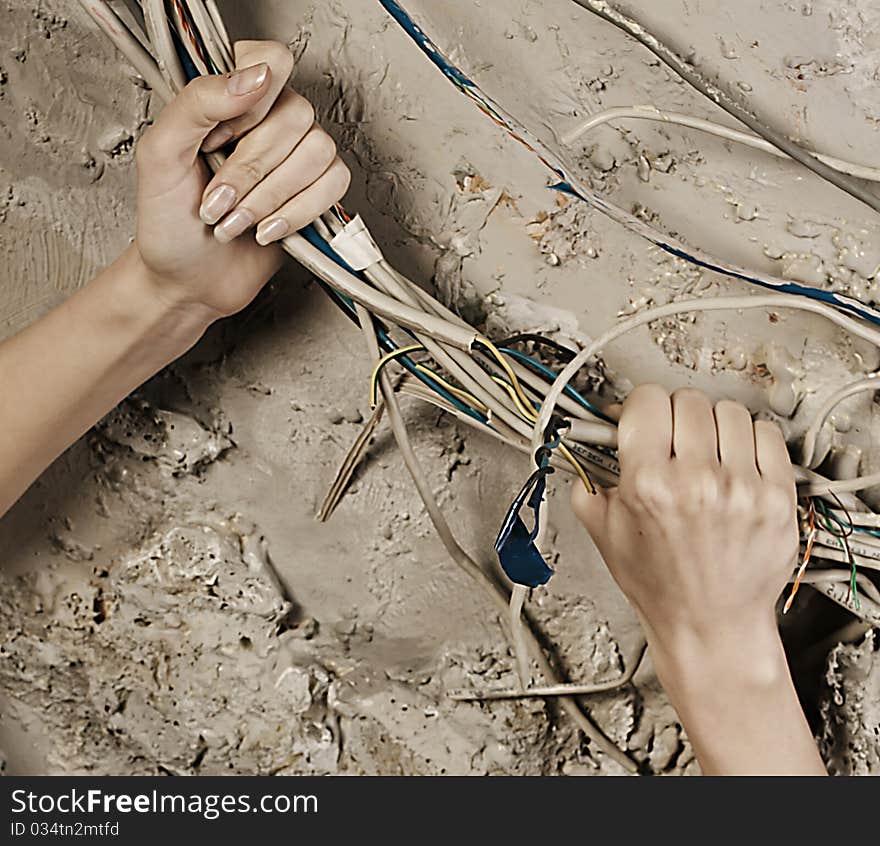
808,551
190,30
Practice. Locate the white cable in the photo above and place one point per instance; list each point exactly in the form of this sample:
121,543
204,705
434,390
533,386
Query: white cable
654,114
128,45
375,301
818,577
842,486
771,301
159,32
869,383
858,518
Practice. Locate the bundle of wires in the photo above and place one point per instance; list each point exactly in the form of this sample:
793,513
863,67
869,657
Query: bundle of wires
494,387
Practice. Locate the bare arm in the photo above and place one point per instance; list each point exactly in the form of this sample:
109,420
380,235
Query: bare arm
701,536
63,373
195,258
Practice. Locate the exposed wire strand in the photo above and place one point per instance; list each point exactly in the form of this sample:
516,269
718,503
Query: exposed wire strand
811,539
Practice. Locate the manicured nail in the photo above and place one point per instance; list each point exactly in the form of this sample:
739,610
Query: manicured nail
274,230
217,203
248,80
234,225
217,138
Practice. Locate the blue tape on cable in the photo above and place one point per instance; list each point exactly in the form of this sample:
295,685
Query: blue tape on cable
518,555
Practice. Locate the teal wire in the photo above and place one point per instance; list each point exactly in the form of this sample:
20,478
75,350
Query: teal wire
551,376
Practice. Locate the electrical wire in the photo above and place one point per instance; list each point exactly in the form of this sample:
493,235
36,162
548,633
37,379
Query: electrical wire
652,113
569,184
811,539
809,457
722,98
467,564
686,307
505,366
160,36
538,367
380,366
128,45
632,668
498,388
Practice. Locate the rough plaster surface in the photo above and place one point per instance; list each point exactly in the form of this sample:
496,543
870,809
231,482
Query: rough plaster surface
168,602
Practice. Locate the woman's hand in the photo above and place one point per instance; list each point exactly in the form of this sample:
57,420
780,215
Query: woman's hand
195,233
195,257
701,535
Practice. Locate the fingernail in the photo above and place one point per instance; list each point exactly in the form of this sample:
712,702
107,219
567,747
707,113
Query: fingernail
248,80
217,203
274,230
217,138
234,225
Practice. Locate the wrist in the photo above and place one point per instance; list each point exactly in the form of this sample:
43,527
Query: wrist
699,664
735,698
172,320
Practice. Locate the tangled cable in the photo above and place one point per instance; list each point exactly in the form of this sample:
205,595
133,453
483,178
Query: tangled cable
495,387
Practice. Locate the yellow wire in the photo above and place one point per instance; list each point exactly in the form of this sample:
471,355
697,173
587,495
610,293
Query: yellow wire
588,482
523,410
513,388
463,395
505,366
380,364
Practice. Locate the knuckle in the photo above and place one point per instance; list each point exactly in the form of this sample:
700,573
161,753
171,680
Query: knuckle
741,495
302,114
651,488
778,502
322,147
731,408
342,175
195,94
701,492
275,198
692,397
647,389
279,57
767,429
252,171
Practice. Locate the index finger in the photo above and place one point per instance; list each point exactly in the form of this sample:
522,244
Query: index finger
645,430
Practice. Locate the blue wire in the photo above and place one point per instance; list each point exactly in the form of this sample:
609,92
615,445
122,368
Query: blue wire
314,238
465,84
311,235
342,301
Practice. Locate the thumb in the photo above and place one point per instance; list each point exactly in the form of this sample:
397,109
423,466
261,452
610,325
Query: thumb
170,148
592,509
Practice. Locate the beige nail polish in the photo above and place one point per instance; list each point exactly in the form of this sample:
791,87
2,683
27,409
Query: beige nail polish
217,203
234,225
247,80
274,230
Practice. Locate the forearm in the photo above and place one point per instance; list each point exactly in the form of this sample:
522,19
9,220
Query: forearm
65,372
738,705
